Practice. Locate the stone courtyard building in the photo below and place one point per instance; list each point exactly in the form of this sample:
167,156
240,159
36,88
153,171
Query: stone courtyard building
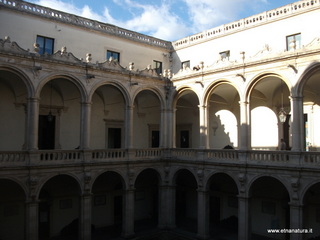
106,133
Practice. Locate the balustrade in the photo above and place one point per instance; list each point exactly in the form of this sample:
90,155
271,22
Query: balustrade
47,157
251,21
84,22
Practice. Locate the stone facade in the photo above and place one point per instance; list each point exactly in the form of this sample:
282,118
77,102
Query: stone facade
93,146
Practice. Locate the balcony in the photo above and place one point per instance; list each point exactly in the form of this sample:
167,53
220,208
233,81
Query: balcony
236,158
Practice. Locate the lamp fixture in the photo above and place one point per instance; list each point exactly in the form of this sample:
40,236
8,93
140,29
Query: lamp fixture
282,114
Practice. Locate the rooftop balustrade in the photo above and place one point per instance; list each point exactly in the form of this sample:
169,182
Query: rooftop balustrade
83,22
252,21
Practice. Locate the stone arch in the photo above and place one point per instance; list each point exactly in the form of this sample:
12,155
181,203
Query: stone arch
79,85
154,91
223,109
107,203
59,206
100,172
271,90
311,207
259,77
147,124
208,91
13,209
228,174
147,199
186,204
305,76
60,108
187,121
47,178
117,85
21,75
108,115
306,94
180,92
269,204
16,89
223,193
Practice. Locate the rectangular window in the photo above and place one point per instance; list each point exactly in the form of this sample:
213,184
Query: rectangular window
46,45
224,55
294,41
185,64
114,55
157,66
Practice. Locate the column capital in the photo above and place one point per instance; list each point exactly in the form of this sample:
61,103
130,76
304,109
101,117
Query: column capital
33,99
86,103
296,98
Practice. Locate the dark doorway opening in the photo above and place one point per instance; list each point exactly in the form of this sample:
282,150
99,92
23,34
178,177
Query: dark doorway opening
184,139
117,210
155,139
46,133
114,137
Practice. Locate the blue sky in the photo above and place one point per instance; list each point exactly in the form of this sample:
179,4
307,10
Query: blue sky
165,19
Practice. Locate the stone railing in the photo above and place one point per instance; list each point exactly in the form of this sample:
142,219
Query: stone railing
83,22
253,157
258,19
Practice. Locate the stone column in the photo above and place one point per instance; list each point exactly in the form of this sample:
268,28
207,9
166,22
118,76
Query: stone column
203,214
85,125
129,127
85,217
173,129
244,128
32,123
128,215
203,122
32,222
167,207
244,225
163,128
296,219
297,123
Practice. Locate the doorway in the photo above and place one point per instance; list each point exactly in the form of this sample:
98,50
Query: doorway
184,139
155,139
114,137
46,132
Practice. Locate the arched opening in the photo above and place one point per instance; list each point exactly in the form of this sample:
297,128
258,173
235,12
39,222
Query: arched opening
146,120
270,109
13,107
12,211
264,129
311,111
187,120
59,206
146,200
269,208
59,115
223,206
311,211
186,201
108,118
224,112
107,206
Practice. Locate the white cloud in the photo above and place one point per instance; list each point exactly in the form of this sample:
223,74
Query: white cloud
60,5
206,14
